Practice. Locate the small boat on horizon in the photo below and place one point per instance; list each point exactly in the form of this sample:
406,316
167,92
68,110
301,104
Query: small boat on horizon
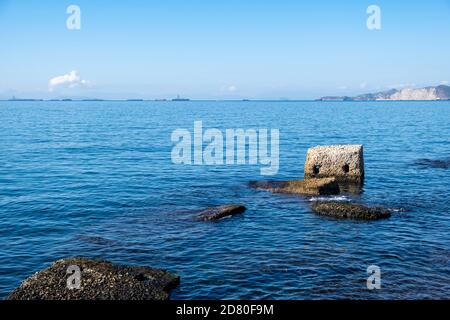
178,98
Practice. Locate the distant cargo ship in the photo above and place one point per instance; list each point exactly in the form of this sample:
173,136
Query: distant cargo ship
178,98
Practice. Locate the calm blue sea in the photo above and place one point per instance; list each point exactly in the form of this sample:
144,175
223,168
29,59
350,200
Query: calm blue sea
96,179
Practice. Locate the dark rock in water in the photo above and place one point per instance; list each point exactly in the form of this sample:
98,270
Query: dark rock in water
345,210
308,187
220,212
430,163
99,280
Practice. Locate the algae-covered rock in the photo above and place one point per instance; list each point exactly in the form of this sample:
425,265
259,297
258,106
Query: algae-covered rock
98,280
308,187
346,210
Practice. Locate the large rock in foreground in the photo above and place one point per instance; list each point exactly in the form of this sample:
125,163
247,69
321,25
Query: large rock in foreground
99,280
309,187
344,162
345,210
220,212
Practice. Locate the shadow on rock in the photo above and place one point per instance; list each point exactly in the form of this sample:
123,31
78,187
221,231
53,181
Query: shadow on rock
352,187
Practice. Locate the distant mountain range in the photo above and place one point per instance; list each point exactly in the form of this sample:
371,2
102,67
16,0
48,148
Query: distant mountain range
441,92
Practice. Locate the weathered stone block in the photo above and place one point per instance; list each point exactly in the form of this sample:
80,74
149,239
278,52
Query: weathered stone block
344,162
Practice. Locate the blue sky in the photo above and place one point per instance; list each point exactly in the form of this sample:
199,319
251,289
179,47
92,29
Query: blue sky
228,49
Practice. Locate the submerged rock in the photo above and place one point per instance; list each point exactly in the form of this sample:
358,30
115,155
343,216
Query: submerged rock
344,162
220,212
99,280
346,210
432,163
95,240
308,187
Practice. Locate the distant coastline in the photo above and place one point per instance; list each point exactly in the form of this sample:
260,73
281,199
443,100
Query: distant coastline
435,93
324,99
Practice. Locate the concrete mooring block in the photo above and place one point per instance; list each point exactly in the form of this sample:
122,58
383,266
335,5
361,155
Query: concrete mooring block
344,162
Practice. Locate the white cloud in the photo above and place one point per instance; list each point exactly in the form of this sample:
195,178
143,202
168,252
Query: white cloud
70,80
232,88
445,82
229,88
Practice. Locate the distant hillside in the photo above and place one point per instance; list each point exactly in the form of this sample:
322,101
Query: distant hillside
429,93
